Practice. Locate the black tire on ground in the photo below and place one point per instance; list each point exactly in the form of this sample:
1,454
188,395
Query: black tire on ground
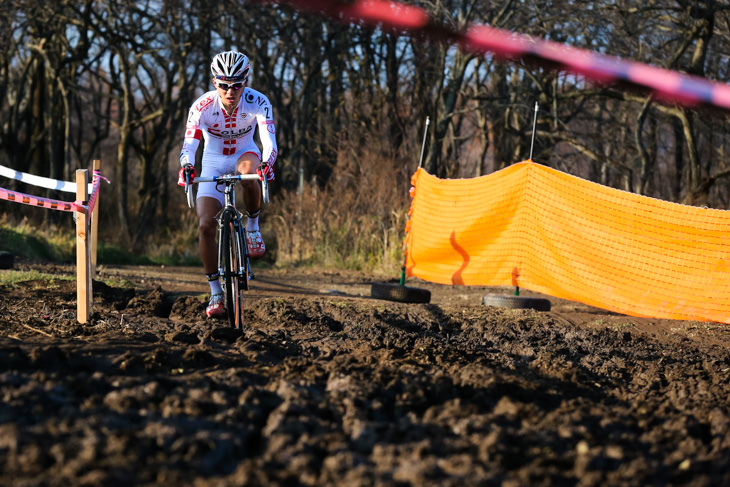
7,260
396,292
231,270
516,302
246,275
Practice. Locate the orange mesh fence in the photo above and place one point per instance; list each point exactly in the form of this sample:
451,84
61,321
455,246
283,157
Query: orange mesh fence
540,229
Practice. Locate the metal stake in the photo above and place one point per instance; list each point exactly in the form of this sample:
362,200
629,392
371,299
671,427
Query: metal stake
420,162
423,145
534,125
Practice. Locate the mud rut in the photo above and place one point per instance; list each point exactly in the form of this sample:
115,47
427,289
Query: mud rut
329,388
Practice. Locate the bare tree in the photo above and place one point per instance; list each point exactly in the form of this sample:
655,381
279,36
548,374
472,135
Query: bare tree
79,78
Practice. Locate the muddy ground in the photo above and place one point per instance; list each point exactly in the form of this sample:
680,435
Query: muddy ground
328,387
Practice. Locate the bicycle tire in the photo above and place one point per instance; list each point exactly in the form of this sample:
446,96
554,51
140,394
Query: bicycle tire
231,269
237,261
402,294
245,262
516,302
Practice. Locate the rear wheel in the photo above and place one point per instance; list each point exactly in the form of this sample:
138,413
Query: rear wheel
243,252
232,258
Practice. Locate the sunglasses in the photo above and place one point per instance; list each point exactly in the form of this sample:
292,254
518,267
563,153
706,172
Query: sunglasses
227,86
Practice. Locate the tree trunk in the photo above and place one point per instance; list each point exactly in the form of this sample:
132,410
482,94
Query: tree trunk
450,96
122,169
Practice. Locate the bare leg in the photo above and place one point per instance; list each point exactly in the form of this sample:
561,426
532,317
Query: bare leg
247,164
207,209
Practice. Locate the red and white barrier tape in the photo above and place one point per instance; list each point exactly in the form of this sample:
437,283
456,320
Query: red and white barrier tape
27,199
665,84
95,191
77,206
48,183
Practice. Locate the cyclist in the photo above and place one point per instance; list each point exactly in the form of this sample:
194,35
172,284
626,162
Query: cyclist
226,118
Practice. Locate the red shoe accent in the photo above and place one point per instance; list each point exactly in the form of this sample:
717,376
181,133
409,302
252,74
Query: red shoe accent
255,243
215,308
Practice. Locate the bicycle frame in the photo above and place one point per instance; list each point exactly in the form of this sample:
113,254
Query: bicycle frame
233,260
225,178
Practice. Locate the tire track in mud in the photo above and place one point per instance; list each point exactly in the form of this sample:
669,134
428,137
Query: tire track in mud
341,391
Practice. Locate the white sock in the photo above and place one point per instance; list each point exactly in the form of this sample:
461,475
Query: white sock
215,285
252,224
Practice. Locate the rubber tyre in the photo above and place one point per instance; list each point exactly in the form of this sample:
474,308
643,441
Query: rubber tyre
516,302
7,260
402,294
231,271
245,262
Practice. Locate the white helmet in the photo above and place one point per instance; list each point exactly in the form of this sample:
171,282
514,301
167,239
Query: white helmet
230,66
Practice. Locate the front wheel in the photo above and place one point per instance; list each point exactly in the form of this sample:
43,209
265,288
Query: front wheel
232,268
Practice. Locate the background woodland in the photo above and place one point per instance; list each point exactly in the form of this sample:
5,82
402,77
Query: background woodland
113,80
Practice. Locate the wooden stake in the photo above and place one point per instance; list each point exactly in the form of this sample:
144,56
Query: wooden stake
83,251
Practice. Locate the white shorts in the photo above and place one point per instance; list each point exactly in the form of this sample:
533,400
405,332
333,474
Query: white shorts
217,165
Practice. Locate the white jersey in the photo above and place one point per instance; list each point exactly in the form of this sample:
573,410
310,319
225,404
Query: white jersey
229,135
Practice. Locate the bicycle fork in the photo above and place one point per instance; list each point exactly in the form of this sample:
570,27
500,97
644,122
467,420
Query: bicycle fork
239,235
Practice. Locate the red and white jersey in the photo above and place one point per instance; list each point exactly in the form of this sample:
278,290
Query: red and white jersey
228,135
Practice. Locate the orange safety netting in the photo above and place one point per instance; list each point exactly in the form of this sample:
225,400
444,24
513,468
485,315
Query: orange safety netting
540,229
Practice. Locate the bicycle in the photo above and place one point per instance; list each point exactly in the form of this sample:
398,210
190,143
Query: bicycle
233,260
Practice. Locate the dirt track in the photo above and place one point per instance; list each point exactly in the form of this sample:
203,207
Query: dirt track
328,387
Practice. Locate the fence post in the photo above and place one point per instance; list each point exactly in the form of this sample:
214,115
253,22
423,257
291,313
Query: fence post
83,251
95,224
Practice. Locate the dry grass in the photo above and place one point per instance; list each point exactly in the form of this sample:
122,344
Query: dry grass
356,222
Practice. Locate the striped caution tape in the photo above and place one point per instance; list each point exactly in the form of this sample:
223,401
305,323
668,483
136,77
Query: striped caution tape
41,182
77,206
95,189
51,204
665,84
